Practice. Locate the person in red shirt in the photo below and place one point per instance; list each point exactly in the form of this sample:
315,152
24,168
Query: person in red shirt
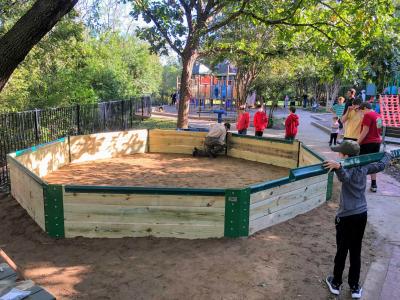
370,137
243,121
291,124
260,120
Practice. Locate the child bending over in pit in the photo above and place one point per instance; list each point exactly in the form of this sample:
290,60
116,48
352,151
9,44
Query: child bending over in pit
351,216
215,141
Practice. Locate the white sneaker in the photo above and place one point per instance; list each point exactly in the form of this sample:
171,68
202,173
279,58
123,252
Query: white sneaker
356,292
334,288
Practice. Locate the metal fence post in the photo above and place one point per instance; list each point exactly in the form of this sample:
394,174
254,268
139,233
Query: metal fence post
104,115
142,102
78,119
36,126
122,115
130,113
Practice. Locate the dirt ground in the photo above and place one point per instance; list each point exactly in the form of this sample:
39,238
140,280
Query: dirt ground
286,261
167,170
394,169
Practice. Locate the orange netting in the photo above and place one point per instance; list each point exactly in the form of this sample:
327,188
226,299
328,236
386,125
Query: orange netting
390,110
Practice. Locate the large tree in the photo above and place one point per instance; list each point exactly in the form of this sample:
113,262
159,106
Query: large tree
183,26
189,26
16,43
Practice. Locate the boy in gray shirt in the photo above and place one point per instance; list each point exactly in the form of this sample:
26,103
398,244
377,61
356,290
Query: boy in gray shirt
351,216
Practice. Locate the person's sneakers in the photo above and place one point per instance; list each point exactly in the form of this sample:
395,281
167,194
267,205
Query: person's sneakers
356,292
334,288
374,188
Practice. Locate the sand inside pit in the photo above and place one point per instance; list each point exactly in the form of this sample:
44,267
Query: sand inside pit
167,170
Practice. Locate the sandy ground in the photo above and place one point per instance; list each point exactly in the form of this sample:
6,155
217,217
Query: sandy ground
286,261
167,170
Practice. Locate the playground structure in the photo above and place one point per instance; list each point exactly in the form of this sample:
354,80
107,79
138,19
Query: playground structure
389,106
210,90
131,211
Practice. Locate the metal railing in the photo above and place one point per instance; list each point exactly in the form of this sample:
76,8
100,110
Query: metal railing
20,130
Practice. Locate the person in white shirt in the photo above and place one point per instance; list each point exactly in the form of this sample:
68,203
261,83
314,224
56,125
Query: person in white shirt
215,141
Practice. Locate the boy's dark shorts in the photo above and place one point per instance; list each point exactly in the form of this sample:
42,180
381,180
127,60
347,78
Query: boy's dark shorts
369,148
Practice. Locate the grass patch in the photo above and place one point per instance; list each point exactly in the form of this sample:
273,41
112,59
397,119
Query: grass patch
156,123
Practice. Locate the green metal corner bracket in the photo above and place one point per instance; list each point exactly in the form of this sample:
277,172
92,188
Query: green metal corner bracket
329,188
237,210
54,210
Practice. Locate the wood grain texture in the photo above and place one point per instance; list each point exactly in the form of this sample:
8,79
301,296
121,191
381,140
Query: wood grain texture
278,204
131,215
107,145
286,200
120,230
28,193
265,151
286,214
144,200
306,158
285,188
47,158
172,141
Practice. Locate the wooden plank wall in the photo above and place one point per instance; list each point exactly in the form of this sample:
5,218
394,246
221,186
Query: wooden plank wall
28,192
265,151
138,215
46,158
278,204
107,145
307,158
172,141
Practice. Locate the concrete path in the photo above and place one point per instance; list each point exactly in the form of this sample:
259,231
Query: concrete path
383,277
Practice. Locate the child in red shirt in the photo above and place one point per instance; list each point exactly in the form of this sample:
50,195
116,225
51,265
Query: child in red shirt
243,121
291,124
260,120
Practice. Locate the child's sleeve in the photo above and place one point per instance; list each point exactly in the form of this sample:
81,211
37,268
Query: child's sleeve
378,166
343,175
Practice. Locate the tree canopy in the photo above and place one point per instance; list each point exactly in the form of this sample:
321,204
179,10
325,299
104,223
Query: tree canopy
92,54
70,65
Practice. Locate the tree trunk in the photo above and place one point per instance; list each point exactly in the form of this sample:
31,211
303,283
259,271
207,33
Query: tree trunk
188,60
241,90
332,89
27,32
244,79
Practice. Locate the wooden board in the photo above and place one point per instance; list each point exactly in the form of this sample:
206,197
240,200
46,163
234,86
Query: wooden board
285,188
143,214
281,203
119,215
306,158
120,230
107,145
27,192
286,214
286,200
47,158
144,200
172,141
265,151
